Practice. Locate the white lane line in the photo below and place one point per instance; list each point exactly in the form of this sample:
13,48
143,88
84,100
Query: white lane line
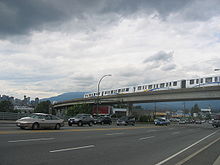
167,159
196,153
144,138
174,133
70,149
217,161
119,133
153,130
29,140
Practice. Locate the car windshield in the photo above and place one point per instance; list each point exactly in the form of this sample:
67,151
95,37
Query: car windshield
37,116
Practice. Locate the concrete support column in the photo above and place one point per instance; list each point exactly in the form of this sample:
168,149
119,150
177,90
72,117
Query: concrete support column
129,109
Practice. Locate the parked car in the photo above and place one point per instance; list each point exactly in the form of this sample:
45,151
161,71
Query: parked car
182,122
126,120
198,122
40,120
216,121
161,122
81,119
103,120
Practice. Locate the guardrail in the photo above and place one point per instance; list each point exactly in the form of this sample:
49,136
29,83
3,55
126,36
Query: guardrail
12,116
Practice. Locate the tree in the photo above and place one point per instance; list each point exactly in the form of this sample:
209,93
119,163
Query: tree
6,106
80,108
43,107
195,109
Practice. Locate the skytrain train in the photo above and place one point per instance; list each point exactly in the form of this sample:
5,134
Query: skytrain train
178,84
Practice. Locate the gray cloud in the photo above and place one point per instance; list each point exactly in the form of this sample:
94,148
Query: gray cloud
19,17
24,16
161,56
169,67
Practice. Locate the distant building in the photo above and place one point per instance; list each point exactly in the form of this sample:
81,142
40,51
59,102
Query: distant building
24,108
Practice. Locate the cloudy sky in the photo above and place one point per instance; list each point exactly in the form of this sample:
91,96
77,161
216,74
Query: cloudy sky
48,47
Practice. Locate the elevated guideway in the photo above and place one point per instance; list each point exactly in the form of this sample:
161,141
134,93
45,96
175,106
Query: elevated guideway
187,94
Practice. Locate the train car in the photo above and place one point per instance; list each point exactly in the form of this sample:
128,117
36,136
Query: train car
178,84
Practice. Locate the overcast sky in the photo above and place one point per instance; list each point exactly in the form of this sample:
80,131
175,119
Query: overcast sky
48,47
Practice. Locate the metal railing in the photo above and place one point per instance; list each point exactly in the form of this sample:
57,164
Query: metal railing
12,116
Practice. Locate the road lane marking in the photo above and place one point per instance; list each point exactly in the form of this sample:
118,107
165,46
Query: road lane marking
197,152
144,138
174,155
119,133
175,133
72,130
217,161
153,130
70,149
28,140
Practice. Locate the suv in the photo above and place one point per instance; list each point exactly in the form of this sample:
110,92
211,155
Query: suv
81,119
216,121
126,120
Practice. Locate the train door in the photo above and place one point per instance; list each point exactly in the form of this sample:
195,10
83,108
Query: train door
183,84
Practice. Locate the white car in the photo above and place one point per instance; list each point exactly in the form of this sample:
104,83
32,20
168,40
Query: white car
40,120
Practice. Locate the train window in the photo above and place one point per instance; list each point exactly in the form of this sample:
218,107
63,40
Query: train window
119,90
216,79
167,84
201,80
162,85
170,84
197,81
150,86
127,89
175,83
191,82
208,80
123,90
111,91
139,87
154,86
157,86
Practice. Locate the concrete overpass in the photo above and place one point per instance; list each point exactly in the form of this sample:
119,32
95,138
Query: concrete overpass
187,94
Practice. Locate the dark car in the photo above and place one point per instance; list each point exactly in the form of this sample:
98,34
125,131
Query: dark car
103,120
126,120
81,119
216,121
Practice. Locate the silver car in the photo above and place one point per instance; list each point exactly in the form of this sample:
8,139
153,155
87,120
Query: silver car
40,120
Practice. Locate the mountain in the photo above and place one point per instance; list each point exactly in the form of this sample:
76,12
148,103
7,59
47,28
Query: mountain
65,96
161,106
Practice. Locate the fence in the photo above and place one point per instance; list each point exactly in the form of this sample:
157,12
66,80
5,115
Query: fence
12,116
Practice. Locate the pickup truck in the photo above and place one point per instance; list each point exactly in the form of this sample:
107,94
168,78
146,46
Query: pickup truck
216,121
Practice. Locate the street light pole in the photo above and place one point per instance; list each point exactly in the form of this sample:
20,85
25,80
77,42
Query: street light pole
97,105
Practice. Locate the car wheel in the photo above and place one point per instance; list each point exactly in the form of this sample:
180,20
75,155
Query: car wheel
57,126
70,124
22,127
80,123
35,126
90,123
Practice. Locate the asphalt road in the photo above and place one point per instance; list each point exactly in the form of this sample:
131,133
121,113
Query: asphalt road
111,145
